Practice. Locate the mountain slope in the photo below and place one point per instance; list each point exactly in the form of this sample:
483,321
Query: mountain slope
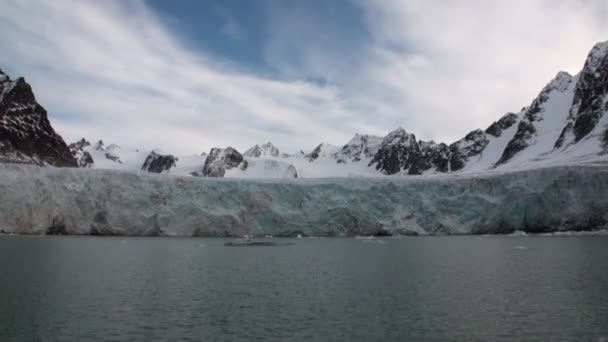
565,124
26,135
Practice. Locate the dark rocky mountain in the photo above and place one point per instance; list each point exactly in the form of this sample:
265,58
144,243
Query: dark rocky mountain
26,135
83,158
158,163
590,102
432,155
471,145
499,126
397,153
221,159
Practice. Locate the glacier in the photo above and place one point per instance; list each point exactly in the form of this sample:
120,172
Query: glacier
48,200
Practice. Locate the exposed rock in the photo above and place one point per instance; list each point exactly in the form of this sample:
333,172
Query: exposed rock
83,158
526,129
322,150
590,97
26,135
99,146
499,126
112,152
158,163
265,150
220,160
361,146
471,145
293,173
432,155
397,153
605,140
113,158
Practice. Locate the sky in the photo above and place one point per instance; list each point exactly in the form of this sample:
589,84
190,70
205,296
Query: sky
186,76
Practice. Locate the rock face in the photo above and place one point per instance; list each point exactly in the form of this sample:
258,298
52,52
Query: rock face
26,135
361,146
222,159
590,98
499,126
322,150
398,152
432,155
590,102
471,145
158,163
526,130
83,158
265,150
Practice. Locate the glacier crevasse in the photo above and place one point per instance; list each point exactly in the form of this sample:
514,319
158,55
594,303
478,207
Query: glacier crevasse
77,201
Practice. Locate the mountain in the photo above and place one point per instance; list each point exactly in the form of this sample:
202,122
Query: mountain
158,163
221,160
26,135
265,150
360,147
566,124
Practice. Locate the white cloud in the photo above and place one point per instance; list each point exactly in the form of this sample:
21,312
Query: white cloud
457,65
111,69
119,73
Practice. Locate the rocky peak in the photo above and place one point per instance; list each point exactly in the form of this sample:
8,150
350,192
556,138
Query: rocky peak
397,153
596,59
99,146
432,155
499,126
322,150
590,96
221,159
464,149
265,150
79,145
26,135
83,158
158,163
361,146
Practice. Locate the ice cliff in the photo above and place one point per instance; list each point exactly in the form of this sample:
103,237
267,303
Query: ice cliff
83,201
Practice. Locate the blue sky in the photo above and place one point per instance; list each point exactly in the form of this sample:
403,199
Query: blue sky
189,75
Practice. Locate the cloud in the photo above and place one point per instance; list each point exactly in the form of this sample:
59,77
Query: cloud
442,68
111,69
457,65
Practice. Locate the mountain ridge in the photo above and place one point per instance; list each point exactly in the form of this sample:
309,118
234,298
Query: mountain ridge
564,124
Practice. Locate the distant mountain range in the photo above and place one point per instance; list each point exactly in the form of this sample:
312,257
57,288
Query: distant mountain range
565,124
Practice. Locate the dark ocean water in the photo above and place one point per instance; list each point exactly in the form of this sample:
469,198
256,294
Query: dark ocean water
409,289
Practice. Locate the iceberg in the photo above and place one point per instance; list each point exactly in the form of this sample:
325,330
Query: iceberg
48,200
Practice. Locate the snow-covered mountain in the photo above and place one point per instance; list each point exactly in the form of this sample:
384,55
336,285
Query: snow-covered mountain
565,124
542,169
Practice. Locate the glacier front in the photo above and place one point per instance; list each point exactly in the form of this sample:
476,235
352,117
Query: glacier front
38,200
